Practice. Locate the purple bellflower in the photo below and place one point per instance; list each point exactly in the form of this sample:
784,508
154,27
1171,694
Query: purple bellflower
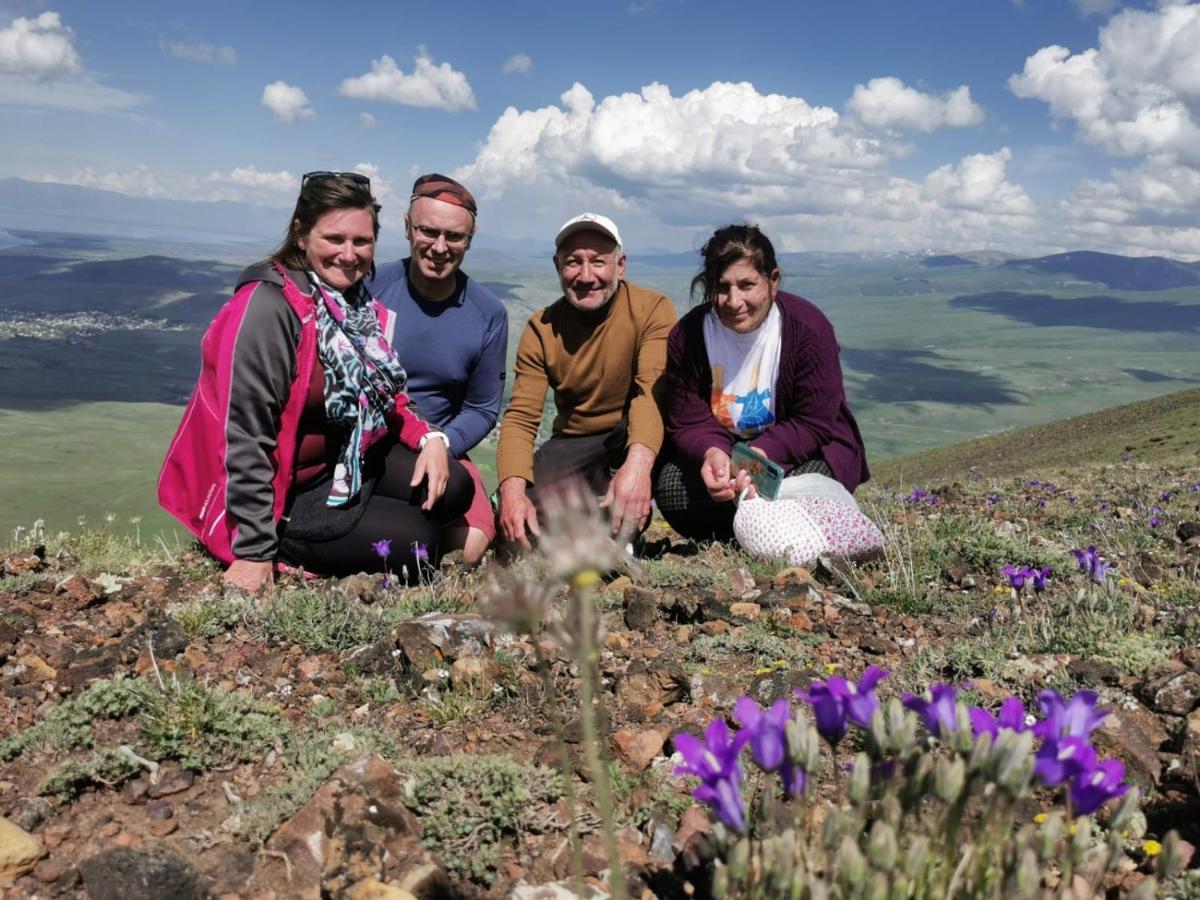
766,732
1077,717
383,548
837,702
1010,717
1092,789
1016,575
939,713
715,762
1058,760
1041,577
1091,562
420,551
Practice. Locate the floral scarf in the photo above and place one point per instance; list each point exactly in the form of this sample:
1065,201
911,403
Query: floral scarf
362,378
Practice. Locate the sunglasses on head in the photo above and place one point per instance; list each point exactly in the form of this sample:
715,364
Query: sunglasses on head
356,177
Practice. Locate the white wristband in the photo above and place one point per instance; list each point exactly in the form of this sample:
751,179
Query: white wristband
434,434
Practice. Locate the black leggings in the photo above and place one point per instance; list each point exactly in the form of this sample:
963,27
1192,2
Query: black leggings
684,501
392,512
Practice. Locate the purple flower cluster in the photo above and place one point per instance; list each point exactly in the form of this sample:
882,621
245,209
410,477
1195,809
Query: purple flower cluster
1066,755
715,760
920,495
1019,575
1093,563
837,702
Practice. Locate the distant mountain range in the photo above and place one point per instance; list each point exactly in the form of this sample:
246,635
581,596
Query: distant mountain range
39,206
1128,273
43,206
1139,273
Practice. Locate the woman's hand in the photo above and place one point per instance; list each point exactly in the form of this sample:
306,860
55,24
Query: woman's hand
715,474
433,466
250,575
742,480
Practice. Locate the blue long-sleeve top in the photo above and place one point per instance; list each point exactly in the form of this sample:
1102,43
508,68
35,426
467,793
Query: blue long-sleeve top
454,352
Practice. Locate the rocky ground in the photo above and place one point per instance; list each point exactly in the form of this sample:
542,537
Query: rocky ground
351,740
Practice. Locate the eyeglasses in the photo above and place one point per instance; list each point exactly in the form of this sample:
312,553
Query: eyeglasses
430,235
356,177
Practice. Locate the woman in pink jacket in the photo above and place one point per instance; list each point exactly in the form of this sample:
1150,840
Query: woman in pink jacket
299,446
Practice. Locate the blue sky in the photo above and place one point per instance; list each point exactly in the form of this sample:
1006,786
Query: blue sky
1028,126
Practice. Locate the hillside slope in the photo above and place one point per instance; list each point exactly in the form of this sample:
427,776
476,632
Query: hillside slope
1164,429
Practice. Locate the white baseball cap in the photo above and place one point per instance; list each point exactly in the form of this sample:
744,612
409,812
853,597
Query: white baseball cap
590,222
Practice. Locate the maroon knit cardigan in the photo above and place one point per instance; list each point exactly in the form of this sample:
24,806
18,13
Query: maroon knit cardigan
812,418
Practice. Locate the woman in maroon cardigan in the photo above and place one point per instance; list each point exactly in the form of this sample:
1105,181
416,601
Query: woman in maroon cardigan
779,388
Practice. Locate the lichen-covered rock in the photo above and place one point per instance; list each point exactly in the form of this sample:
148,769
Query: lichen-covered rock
126,873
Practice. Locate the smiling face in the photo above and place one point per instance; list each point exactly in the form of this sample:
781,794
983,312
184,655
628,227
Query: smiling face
744,296
590,267
341,247
439,235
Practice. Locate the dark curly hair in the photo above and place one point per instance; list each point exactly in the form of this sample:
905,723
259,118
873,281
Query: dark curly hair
727,245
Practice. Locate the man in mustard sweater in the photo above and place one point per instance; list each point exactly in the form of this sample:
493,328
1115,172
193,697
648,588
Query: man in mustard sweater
602,348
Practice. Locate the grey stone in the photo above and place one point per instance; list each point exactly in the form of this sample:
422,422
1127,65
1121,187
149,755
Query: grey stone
1093,672
126,873
641,609
1178,695
31,812
660,842
434,638
1133,734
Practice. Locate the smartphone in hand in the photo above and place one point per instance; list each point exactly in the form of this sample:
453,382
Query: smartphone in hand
766,475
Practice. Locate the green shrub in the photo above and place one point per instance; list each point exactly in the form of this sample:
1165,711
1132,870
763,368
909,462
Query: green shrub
69,724
108,768
202,727
317,621
469,805
210,616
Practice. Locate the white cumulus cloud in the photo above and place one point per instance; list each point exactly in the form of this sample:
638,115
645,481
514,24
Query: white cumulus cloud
1137,93
517,64
431,85
366,120
890,103
977,182
653,142
40,67
288,102
252,177
41,47
665,166
199,52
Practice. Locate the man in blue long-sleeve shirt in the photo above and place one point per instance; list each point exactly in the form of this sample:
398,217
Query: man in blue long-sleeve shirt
451,337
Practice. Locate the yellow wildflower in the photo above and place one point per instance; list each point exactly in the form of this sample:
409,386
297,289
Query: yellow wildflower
585,579
1040,819
830,668
763,670
1151,847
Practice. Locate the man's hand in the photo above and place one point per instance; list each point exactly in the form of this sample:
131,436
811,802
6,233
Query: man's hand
251,576
715,474
433,463
517,512
629,492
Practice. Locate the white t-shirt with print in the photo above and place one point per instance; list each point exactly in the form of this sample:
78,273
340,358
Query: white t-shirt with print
744,369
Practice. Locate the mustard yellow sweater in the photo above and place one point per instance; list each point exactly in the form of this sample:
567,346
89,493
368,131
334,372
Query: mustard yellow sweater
600,365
